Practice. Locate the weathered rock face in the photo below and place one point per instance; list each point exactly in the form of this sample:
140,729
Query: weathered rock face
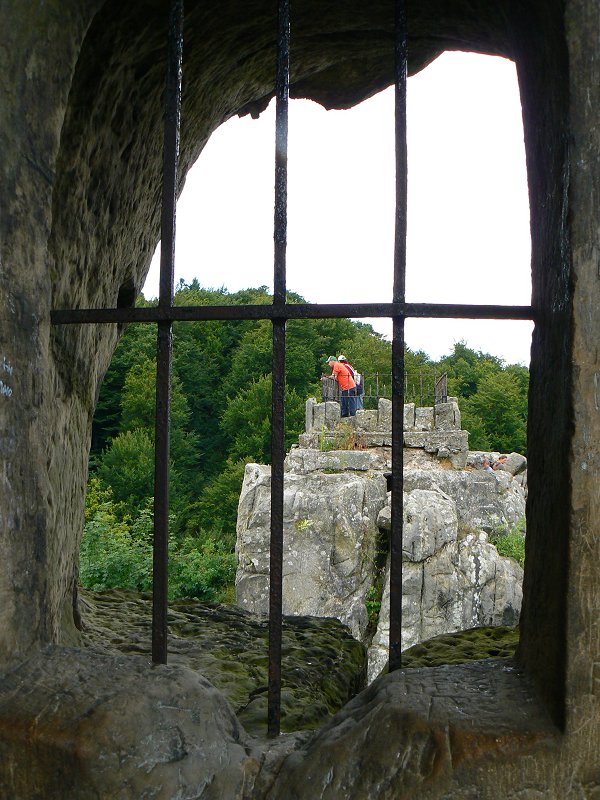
450,582
436,719
484,500
330,533
334,504
124,729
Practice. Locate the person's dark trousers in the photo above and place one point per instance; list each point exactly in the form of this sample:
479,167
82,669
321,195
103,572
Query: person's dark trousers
348,403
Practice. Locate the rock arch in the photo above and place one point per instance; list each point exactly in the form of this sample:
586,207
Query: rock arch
80,190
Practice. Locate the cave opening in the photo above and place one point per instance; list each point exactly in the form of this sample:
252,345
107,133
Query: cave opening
136,264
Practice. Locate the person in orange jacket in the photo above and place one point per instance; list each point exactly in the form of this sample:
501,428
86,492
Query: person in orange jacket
347,386
358,380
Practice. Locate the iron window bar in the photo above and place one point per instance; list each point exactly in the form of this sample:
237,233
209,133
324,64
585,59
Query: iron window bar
164,344
278,370
291,311
399,297
165,313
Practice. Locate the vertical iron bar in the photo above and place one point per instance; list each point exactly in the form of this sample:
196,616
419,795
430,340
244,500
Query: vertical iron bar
164,334
400,68
278,372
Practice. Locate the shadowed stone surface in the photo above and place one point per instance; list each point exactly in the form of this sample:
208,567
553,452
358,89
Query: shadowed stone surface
445,720
322,665
78,724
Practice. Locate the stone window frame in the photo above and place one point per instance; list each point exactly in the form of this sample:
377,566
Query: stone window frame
546,311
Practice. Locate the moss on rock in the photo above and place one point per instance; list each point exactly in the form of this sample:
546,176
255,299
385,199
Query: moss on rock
322,665
463,646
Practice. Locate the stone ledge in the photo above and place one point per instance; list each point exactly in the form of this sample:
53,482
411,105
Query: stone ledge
415,732
77,724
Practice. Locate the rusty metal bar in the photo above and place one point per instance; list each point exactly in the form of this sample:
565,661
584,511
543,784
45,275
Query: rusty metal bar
276,543
400,67
278,369
164,334
292,311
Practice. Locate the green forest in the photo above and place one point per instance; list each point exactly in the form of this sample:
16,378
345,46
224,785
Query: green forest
221,407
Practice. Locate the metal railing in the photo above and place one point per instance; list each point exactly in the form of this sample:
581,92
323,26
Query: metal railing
423,388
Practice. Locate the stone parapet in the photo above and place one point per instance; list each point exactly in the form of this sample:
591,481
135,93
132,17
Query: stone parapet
302,461
435,430
453,445
326,416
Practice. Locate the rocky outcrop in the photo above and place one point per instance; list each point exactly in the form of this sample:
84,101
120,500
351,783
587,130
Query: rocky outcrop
484,500
329,542
337,521
451,580
79,724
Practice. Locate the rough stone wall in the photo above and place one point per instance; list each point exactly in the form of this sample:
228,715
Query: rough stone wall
582,459
43,422
330,537
69,136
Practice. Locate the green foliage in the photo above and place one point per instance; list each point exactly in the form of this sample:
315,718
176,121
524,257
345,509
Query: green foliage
138,399
201,568
326,443
113,552
221,419
247,420
492,399
136,344
500,408
510,543
118,554
127,467
344,438
373,603
217,506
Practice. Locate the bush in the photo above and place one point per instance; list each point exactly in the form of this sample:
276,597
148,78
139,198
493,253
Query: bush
510,543
204,570
216,508
117,554
114,555
127,466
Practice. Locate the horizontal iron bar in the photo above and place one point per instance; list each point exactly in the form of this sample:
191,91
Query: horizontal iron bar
291,311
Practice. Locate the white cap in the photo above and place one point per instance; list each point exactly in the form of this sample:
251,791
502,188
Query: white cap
342,358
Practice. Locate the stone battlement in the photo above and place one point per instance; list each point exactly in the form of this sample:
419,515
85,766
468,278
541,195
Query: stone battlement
436,429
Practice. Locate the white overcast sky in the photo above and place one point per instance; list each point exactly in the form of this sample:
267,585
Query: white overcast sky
468,209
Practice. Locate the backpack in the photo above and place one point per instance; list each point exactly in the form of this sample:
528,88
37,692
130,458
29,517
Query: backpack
358,378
